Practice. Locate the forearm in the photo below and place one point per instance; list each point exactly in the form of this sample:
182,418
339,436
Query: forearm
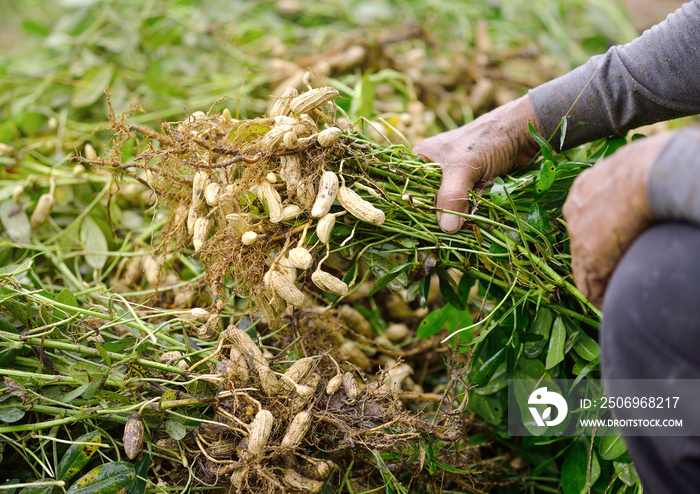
654,78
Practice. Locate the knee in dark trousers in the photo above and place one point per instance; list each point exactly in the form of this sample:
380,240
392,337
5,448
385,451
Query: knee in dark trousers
651,330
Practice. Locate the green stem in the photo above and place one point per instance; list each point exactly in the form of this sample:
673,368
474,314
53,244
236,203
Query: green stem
72,347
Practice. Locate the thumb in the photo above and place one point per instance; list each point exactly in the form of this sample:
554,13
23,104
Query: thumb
457,181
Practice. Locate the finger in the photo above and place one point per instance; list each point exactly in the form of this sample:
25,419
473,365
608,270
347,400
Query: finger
597,293
578,268
589,278
453,195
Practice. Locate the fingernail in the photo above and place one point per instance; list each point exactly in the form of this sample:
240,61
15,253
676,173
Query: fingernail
449,223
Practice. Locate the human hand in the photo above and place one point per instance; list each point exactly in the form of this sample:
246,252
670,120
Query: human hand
489,146
606,209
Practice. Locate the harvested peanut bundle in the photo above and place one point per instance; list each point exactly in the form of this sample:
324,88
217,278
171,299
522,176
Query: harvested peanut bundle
245,194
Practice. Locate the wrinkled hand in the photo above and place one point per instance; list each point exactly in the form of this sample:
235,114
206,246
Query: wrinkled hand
606,209
489,146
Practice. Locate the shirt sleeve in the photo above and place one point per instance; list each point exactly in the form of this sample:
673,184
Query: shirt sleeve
673,188
655,77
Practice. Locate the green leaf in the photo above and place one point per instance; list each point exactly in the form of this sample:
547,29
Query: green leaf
498,380
387,278
78,455
500,190
91,87
87,373
586,347
488,407
611,447
141,467
6,326
464,286
66,297
72,395
530,369
432,323
18,305
530,337
555,353
458,319
447,290
541,326
538,218
451,469
33,27
362,104
548,173
15,221
240,135
39,489
574,469
8,351
93,241
175,429
628,474
381,265
103,353
10,414
486,371
108,478
585,371
541,142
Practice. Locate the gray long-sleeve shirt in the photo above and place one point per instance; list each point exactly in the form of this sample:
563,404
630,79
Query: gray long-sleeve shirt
655,77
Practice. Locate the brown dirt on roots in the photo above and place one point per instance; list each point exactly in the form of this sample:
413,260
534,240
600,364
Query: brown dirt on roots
349,426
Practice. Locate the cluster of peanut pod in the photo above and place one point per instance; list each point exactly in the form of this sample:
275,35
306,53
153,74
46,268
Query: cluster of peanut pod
289,193
246,366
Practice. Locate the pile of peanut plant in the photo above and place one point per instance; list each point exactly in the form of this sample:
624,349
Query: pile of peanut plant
179,314
291,216
290,212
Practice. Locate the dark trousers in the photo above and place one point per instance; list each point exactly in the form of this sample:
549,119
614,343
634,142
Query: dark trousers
651,330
